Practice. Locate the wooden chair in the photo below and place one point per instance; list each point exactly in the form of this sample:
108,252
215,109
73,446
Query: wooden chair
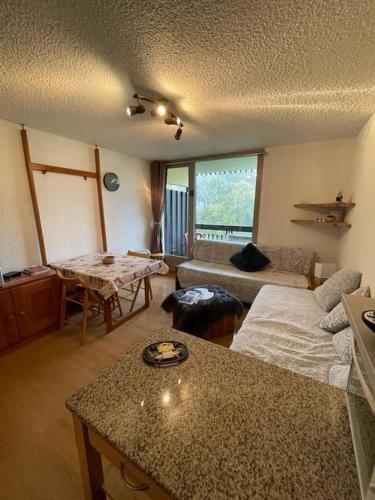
76,292
145,254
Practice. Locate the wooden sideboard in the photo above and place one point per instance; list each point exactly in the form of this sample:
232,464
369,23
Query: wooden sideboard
29,307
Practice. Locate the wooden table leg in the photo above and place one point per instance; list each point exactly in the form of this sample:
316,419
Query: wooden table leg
108,315
147,290
90,463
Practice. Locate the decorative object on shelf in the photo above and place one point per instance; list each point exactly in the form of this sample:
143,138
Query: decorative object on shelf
108,259
111,181
324,269
342,224
159,108
369,318
330,218
339,197
165,353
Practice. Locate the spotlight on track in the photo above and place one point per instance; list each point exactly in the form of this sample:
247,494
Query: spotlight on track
172,120
178,133
136,110
159,108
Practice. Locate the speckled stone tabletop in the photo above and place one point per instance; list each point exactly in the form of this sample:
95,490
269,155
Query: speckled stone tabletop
223,425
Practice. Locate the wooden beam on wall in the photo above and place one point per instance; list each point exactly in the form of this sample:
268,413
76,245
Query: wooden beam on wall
100,197
62,170
34,199
223,156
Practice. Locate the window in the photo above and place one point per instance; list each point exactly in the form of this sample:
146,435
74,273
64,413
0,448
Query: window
225,198
214,199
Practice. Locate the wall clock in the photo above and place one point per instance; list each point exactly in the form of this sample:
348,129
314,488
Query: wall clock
111,181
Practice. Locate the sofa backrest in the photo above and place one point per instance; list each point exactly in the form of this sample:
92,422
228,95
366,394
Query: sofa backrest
215,251
291,260
294,260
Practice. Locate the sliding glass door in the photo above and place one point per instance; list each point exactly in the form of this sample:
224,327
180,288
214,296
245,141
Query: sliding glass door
177,208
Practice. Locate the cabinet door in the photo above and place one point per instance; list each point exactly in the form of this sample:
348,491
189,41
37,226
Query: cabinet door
37,306
8,321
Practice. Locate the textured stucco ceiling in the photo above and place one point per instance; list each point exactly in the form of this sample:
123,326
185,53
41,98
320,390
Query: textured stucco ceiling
241,74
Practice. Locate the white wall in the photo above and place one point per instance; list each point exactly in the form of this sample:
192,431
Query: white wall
68,204
292,174
312,172
128,210
18,241
358,246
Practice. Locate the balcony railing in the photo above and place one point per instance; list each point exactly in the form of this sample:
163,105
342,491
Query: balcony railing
223,232
176,226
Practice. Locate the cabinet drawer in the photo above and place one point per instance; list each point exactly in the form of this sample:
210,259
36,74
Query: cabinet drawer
37,306
8,321
134,475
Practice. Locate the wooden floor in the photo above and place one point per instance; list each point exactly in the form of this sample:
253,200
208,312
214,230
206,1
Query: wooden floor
38,459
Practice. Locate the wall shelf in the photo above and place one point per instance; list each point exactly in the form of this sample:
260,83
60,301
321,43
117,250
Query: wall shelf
339,208
336,223
325,206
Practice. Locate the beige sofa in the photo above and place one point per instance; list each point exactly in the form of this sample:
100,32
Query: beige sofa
282,328
211,264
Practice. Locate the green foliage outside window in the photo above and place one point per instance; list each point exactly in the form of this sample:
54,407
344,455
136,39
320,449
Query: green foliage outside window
226,198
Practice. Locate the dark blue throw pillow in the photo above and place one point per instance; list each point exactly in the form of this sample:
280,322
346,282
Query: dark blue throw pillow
249,259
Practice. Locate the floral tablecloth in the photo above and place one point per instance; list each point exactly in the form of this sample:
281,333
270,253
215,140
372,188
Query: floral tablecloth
109,278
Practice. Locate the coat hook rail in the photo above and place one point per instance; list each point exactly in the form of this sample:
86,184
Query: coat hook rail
86,174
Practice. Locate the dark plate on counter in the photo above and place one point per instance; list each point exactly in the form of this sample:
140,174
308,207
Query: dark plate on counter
151,355
368,318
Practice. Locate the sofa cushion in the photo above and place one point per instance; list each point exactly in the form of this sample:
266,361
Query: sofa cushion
342,342
329,293
289,260
249,259
244,286
336,320
282,328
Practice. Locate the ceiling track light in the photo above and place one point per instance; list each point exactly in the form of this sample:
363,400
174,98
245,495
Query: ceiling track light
159,108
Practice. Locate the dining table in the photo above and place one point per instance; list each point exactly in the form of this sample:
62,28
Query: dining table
108,279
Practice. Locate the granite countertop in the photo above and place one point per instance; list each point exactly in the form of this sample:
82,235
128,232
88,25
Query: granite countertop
223,425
